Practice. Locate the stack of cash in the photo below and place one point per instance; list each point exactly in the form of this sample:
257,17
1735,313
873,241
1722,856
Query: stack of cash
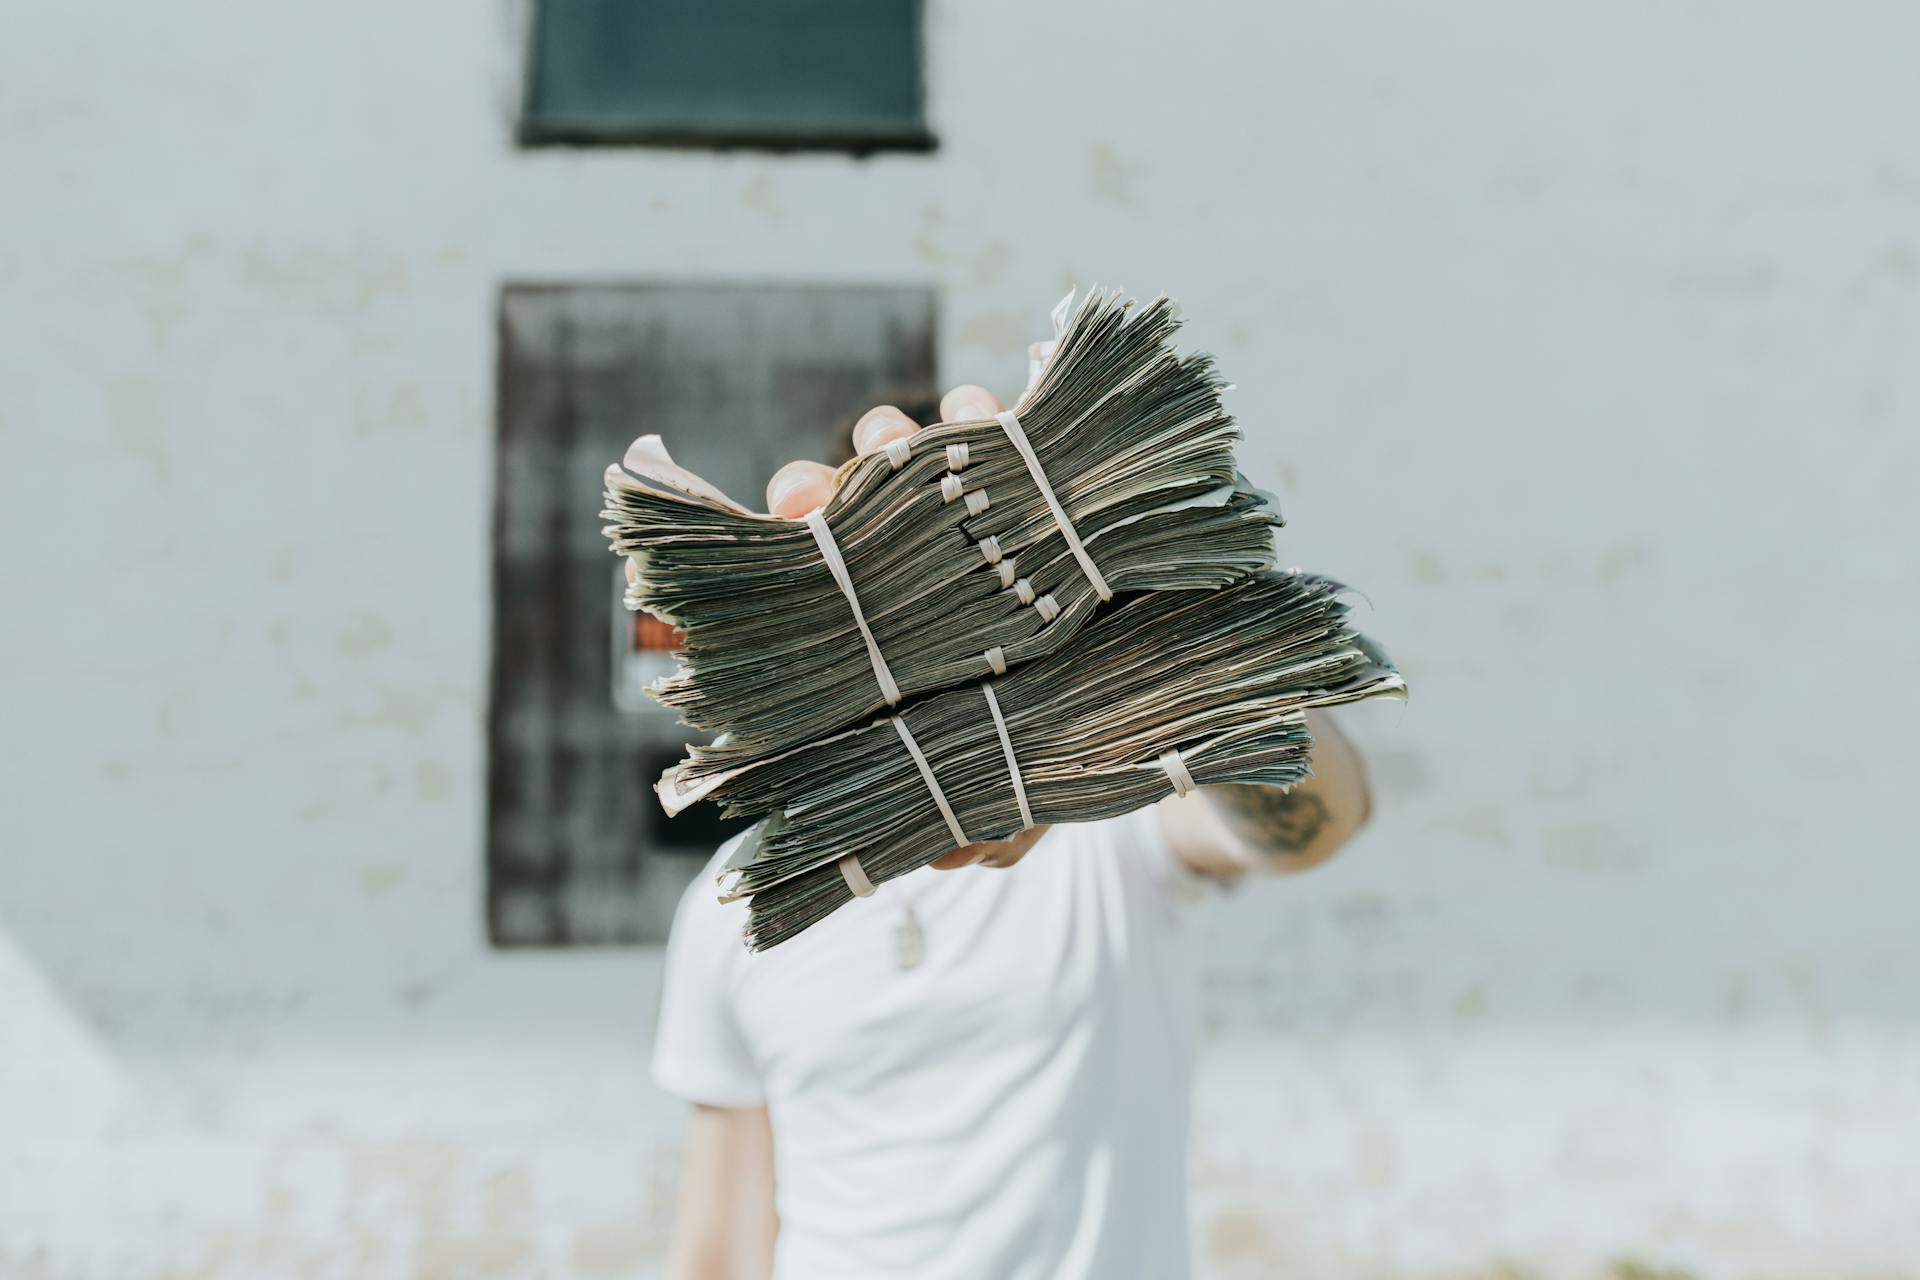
1167,691
950,548
1059,614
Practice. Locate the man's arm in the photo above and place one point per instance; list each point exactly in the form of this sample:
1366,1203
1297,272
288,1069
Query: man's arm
1227,830
725,1226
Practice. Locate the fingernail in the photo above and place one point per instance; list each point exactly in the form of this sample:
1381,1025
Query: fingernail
782,487
873,433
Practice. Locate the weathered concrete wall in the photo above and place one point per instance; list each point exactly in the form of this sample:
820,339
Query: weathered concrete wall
1583,338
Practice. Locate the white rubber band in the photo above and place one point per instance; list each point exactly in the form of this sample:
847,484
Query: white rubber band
898,451
855,875
1046,608
977,502
1013,766
933,784
997,659
1011,425
950,487
830,552
1177,772
990,548
957,456
1024,590
1007,572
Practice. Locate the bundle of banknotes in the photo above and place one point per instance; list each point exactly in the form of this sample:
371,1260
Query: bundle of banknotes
1059,614
952,547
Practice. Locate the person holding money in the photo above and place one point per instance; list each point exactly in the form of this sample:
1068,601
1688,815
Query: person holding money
972,1075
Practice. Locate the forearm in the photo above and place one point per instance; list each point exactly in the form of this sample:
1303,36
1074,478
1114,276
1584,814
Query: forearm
1224,829
726,1224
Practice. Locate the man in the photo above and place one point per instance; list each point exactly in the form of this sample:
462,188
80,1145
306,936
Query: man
972,1075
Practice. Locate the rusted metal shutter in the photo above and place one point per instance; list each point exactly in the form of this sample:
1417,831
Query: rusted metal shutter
738,379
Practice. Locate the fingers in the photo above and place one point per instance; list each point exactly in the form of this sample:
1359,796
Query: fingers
798,488
1004,853
633,571
968,403
878,426
990,853
954,859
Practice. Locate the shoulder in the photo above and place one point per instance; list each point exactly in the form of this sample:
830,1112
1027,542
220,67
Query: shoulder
706,931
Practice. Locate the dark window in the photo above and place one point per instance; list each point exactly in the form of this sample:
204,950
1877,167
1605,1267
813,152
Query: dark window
836,74
737,379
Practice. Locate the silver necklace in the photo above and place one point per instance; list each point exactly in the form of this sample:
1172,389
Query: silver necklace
909,935
909,941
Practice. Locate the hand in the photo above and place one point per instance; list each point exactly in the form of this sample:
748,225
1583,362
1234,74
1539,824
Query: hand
990,853
801,486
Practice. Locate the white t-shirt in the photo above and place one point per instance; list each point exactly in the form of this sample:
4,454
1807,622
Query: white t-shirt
1016,1105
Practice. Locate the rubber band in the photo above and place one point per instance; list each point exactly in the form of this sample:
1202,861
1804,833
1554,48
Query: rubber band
1013,765
1177,772
898,451
997,659
933,784
855,875
1046,608
951,487
830,552
1007,572
1011,425
1024,589
977,502
957,456
990,548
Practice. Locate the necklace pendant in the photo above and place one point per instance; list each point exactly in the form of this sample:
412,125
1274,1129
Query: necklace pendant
909,943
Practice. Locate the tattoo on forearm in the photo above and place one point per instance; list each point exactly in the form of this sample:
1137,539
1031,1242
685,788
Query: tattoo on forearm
1270,818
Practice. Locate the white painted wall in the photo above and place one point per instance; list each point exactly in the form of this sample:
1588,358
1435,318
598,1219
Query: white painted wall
1585,338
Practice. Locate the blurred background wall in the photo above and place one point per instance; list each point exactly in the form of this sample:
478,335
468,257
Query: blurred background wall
1584,339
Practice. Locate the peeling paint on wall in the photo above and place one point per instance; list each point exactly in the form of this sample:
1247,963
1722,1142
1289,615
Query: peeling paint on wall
1619,984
